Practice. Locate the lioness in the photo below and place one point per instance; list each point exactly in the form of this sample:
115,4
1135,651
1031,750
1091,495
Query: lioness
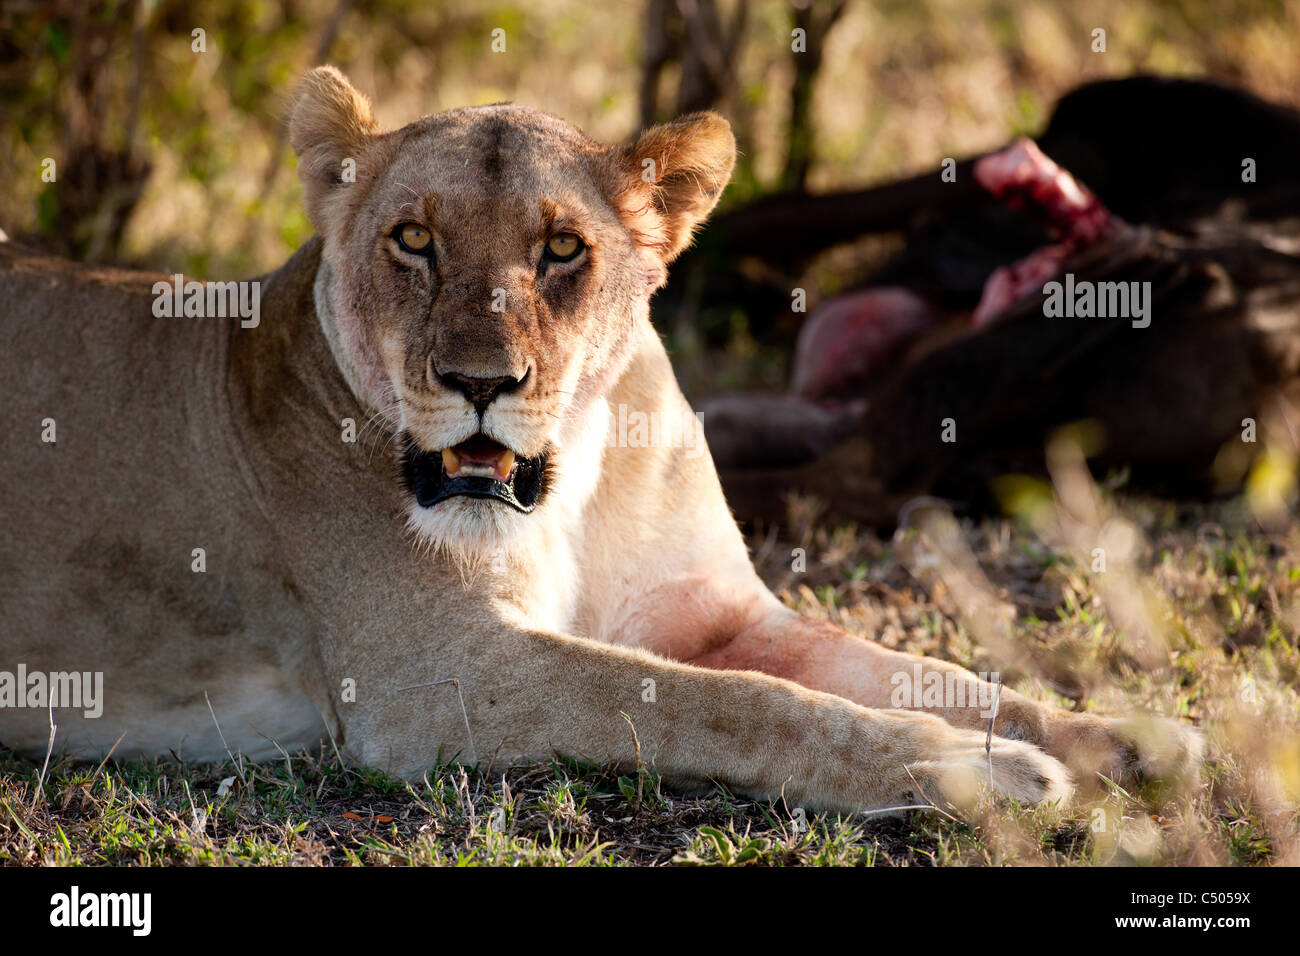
497,580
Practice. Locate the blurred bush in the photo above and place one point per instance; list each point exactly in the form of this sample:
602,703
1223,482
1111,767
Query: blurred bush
173,159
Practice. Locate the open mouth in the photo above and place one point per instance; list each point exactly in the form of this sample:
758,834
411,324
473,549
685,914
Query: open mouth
476,468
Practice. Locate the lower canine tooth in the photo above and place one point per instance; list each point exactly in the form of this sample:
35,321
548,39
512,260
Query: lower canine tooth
505,461
450,461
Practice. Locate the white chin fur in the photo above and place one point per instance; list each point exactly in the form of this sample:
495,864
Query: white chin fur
476,533
472,532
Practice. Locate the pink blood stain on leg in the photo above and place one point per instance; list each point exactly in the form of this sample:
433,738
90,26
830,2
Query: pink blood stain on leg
848,337
1027,181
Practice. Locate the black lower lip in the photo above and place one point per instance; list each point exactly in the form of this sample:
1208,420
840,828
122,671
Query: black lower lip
423,474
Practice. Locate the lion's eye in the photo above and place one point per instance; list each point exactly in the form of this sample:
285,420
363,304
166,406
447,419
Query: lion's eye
414,239
563,246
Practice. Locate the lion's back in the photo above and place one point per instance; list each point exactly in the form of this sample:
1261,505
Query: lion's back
116,470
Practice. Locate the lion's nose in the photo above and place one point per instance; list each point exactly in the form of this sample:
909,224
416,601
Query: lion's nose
480,391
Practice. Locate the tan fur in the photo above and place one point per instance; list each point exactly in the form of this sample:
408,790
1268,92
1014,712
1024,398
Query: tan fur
628,591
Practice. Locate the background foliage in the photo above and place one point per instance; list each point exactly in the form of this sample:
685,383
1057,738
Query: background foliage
176,160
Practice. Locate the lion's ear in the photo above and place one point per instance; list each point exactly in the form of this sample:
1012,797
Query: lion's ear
669,180
330,126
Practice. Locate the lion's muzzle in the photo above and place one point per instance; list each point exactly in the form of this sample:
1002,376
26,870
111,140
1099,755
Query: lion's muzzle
478,467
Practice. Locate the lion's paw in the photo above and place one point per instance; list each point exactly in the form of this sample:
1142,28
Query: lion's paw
964,769
1128,750
1162,749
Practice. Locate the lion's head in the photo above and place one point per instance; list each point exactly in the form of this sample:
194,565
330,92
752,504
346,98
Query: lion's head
482,273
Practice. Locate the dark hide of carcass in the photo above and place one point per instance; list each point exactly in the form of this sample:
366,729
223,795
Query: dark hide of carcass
956,336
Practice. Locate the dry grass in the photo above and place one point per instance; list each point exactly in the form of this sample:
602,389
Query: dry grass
1195,616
